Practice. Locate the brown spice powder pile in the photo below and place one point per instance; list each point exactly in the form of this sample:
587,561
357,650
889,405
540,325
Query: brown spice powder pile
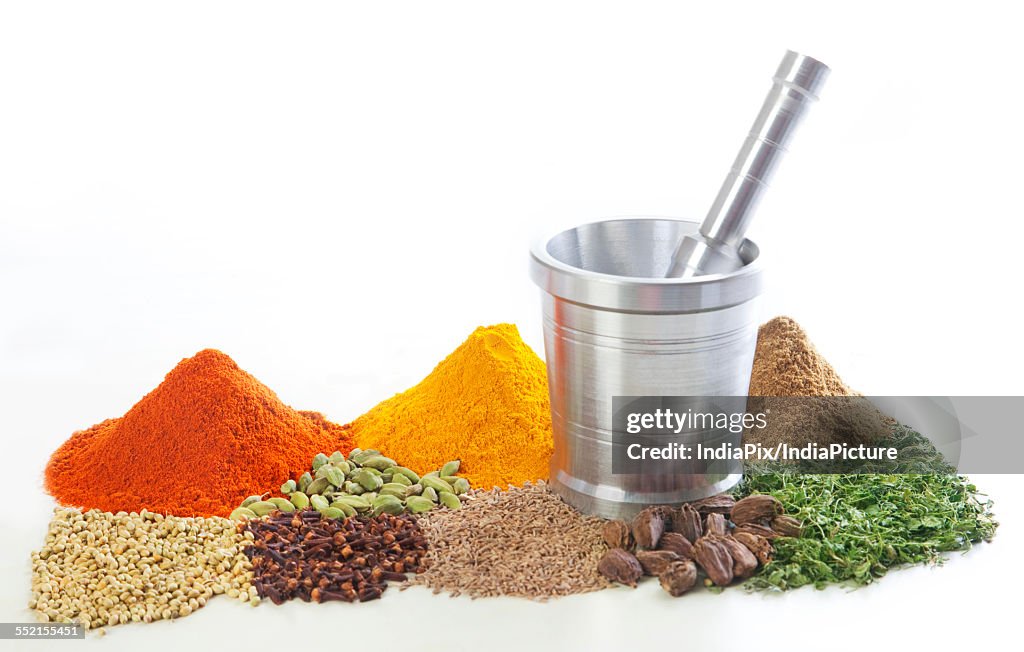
522,542
787,364
805,398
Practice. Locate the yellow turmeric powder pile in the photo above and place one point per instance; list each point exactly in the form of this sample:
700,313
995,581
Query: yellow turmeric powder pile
486,404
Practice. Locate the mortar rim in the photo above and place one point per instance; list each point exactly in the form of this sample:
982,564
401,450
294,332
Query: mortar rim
627,293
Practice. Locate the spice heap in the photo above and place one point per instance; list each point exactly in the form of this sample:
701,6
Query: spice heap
859,526
822,421
103,569
308,556
203,440
803,396
486,403
523,542
365,482
727,540
787,364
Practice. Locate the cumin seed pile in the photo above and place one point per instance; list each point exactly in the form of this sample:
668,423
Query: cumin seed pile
521,542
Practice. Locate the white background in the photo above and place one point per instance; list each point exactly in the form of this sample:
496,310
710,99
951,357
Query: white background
337,194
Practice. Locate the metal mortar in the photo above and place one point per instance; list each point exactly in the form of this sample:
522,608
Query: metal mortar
614,326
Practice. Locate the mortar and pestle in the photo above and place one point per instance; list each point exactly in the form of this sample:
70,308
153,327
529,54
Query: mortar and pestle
659,307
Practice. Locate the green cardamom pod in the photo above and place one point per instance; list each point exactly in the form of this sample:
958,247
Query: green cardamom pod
353,488
304,481
345,467
399,478
319,503
419,504
242,513
289,487
450,500
358,502
387,505
335,476
379,462
432,474
332,512
413,490
450,479
461,486
299,499
346,509
319,461
437,484
428,492
282,504
367,480
363,455
336,457
317,486
250,500
369,495
322,471
263,507
372,471
409,473
450,468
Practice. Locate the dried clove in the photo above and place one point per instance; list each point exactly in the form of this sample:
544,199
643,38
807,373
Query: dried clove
306,556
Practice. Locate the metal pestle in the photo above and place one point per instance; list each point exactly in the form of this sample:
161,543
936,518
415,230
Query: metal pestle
715,248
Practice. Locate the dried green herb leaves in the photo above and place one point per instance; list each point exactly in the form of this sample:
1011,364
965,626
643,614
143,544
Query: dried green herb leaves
857,527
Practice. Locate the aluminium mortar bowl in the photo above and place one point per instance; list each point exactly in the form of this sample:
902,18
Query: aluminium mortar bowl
613,326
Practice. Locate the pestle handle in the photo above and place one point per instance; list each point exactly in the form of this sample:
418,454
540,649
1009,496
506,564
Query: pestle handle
795,87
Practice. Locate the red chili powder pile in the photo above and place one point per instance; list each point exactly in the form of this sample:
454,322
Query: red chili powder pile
198,444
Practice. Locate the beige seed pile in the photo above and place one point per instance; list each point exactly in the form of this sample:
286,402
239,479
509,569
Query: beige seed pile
522,542
103,569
